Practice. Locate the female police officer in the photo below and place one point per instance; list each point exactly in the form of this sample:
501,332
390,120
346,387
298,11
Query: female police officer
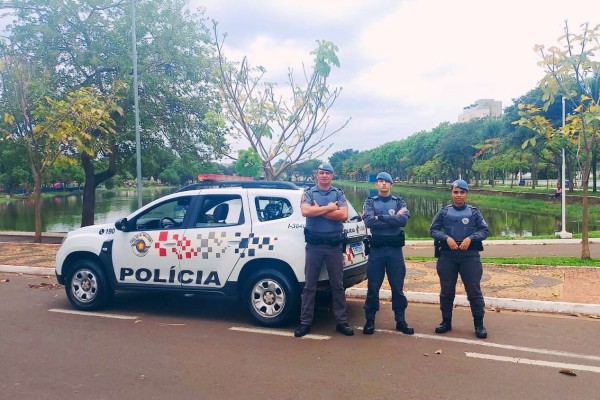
458,230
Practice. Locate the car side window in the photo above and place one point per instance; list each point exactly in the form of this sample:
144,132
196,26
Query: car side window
220,210
272,208
166,215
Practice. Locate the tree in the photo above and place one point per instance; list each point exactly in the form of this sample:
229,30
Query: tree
293,130
14,169
49,129
248,163
305,170
82,43
572,71
337,159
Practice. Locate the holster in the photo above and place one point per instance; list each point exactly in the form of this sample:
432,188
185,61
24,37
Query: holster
367,244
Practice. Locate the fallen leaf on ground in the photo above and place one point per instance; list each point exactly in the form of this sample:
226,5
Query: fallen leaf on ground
438,351
5,280
567,372
426,354
45,285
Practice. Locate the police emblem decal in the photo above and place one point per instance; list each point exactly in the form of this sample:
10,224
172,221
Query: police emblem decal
465,221
140,244
391,211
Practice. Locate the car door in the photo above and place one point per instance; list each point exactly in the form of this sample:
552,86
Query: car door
149,251
217,239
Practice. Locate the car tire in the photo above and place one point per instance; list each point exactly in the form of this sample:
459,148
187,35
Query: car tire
87,287
271,298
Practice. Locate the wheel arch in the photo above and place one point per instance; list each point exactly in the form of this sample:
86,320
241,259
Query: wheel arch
264,264
72,259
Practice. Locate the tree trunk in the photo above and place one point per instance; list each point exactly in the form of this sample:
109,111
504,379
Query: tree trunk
585,243
37,196
92,180
594,168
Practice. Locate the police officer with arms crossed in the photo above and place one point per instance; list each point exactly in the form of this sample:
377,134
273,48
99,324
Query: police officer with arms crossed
325,208
458,231
385,215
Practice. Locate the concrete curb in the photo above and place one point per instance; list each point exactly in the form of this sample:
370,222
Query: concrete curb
558,307
27,270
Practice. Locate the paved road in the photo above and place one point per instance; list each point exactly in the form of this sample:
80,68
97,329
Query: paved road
174,347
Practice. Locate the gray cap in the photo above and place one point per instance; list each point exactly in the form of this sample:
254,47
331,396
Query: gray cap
461,184
326,167
385,176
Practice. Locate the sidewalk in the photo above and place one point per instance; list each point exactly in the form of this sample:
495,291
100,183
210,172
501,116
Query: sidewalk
568,290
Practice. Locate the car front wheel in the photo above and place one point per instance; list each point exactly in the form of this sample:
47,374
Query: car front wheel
87,287
272,298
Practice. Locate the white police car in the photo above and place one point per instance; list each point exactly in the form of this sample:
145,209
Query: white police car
240,239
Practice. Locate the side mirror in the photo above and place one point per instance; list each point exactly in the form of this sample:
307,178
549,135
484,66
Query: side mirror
121,225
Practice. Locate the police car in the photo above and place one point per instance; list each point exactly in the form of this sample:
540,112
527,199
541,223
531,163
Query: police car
235,239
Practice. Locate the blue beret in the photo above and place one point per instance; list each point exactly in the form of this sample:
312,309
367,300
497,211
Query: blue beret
326,167
461,184
385,176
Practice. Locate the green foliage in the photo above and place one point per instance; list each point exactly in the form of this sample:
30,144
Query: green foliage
248,163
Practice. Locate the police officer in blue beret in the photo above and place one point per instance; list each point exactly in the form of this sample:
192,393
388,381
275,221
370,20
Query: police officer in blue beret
458,231
385,215
325,208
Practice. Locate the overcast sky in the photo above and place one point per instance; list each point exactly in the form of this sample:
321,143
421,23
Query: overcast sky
406,65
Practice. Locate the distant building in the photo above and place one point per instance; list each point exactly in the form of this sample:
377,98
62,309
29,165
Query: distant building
482,108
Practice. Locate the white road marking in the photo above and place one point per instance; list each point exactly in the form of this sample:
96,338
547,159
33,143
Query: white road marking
527,361
92,314
265,331
485,343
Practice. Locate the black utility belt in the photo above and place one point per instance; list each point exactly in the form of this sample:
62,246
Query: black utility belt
388,241
311,238
475,245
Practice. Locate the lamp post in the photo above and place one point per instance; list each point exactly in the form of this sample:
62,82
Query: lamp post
138,151
563,233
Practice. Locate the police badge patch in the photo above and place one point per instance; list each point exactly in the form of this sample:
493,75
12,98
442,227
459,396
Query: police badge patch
465,221
139,245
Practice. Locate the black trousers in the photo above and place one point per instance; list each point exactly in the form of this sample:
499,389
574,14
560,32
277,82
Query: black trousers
467,263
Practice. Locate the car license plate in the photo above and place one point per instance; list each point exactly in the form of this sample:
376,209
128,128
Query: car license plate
357,248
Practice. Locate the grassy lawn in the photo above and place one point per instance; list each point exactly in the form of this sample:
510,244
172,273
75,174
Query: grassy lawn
525,262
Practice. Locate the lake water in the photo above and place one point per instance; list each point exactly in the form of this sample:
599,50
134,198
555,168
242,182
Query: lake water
63,213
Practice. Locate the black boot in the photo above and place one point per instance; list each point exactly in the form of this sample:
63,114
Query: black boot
444,326
344,329
405,328
369,328
480,331
302,330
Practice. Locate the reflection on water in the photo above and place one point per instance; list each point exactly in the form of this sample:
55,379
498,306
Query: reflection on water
502,222
63,213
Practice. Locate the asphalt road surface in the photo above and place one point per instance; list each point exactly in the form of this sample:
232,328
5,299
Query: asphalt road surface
152,346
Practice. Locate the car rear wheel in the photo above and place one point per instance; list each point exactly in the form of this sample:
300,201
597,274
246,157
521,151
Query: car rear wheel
271,297
87,287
